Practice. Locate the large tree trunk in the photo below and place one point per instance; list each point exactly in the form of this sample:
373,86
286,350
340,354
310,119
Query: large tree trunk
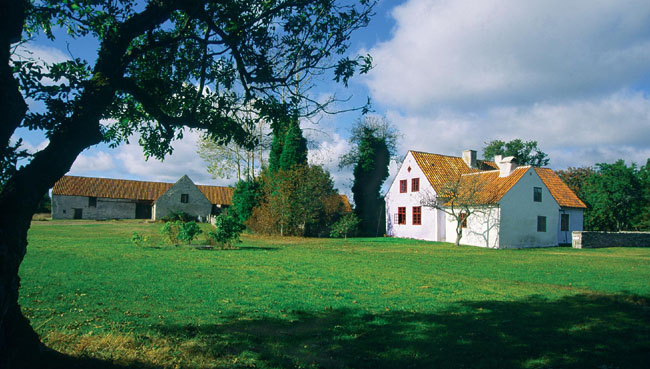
21,194
18,202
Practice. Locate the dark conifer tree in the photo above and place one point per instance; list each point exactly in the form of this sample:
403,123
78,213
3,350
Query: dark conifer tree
370,172
294,151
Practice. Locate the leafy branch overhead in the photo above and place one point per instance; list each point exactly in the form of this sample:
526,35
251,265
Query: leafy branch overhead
191,63
161,66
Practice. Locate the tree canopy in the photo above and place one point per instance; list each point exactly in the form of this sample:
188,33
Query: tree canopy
161,66
615,197
525,153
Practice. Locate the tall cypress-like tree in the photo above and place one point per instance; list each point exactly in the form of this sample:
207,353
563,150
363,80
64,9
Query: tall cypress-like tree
370,172
294,151
374,141
277,145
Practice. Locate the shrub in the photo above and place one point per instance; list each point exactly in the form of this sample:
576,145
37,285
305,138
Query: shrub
227,230
188,231
348,225
179,216
169,233
138,240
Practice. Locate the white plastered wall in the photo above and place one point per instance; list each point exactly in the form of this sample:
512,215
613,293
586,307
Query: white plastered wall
576,223
519,214
482,228
431,218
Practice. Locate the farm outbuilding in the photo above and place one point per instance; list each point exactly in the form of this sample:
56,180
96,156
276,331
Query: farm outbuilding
106,198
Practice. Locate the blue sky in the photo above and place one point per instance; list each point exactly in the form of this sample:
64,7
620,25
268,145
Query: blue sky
452,75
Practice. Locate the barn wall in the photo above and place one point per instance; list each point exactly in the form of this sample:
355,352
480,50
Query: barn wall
63,208
198,205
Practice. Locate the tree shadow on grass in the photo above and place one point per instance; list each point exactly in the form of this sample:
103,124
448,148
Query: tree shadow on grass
580,331
595,331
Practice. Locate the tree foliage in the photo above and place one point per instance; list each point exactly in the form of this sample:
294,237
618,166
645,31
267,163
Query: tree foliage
245,197
615,197
300,201
373,142
525,153
234,160
294,149
576,179
161,66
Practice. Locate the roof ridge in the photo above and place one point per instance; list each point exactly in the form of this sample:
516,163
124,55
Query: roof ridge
141,181
433,153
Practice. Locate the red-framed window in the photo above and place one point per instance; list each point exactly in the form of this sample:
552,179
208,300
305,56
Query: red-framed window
402,186
415,184
401,215
463,220
417,215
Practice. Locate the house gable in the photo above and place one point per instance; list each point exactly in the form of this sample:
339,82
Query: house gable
520,214
408,201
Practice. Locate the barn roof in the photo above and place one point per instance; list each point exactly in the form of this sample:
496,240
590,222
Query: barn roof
130,189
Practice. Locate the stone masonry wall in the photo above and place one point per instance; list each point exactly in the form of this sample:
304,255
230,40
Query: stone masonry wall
590,240
170,201
63,207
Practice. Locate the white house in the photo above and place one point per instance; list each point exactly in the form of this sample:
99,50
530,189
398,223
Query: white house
516,206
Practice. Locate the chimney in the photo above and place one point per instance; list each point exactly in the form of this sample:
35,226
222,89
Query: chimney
506,165
469,157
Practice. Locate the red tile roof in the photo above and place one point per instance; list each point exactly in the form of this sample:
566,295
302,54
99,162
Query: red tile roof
491,187
439,168
129,189
559,190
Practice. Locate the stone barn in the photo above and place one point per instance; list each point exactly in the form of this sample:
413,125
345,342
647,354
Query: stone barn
105,198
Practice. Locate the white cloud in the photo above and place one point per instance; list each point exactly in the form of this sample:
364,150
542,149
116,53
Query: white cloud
46,54
183,160
98,161
572,133
471,54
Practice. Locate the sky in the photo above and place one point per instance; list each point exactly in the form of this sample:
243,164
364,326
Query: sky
453,75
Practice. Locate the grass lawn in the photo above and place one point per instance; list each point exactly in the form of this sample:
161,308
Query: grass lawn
322,303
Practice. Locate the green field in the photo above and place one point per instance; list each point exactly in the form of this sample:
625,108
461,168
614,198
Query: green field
323,303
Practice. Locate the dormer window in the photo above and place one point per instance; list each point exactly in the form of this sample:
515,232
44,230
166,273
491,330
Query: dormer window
185,198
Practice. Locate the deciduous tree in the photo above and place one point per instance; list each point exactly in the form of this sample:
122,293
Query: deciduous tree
525,153
154,62
300,201
614,196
